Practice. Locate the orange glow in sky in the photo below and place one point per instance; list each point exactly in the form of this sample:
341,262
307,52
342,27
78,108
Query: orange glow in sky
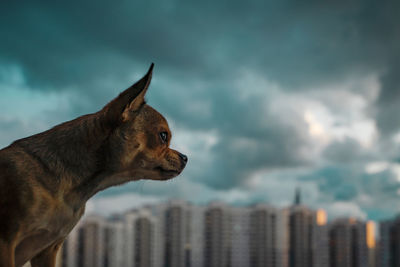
321,217
371,234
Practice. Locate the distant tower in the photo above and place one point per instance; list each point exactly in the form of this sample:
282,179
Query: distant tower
91,247
268,237
176,234
308,236
297,198
349,245
217,235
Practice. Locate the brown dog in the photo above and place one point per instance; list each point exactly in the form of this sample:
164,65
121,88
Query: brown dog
46,179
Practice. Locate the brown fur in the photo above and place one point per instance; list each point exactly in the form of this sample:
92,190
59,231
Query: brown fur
46,179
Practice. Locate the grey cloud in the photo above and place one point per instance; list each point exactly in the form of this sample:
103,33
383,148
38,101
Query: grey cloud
349,151
296,45
8,131
12,129
389,100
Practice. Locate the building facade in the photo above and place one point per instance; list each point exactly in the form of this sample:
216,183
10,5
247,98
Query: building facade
113,244
308,236
268,242
91,242
217,235
389,247
348,243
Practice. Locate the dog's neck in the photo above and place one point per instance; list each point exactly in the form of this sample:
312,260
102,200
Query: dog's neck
75,153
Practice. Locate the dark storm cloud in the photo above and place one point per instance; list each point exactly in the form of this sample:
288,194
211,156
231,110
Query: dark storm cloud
60,44
63,44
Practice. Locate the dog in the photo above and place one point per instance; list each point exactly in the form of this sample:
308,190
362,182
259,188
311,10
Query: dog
46,179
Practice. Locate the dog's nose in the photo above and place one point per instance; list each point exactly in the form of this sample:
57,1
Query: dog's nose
183,158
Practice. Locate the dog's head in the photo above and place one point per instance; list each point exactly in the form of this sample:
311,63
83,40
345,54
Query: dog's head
138,146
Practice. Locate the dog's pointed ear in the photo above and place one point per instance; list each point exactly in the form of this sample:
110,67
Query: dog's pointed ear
129,100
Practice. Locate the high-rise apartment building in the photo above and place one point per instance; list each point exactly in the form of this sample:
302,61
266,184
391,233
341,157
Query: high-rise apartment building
389,247
240,237
70,248
308,236
217,234
385,257
268,237
91,242
113,244
176,251
300,221
144,241
194,246
348,243
319,239
158,215
139,227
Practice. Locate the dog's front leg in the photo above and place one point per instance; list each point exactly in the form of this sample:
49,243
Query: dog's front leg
47,258
7,257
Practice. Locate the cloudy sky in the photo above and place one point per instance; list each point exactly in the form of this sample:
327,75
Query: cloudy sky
263,96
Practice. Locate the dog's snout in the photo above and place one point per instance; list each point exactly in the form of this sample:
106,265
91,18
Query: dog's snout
183,157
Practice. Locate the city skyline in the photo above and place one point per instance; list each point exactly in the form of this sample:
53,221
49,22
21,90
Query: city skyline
105,207
321,216
180,234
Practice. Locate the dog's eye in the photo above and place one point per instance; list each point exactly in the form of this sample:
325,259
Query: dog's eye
164,137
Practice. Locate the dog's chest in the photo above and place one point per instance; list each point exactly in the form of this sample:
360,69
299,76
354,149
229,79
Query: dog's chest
63,220
50,228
